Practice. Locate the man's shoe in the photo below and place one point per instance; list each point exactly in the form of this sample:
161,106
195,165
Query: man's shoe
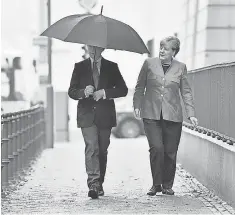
101,191
168,192
154,189
93,192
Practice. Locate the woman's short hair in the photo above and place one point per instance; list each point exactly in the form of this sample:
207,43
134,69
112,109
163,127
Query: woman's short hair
174,41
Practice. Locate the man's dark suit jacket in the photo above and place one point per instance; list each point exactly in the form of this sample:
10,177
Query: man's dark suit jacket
101,112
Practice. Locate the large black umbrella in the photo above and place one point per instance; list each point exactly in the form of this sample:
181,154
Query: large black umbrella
97,30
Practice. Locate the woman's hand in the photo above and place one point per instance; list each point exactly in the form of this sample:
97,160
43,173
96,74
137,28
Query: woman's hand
137,113
193,120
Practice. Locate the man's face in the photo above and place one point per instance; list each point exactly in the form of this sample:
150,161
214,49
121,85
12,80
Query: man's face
95,52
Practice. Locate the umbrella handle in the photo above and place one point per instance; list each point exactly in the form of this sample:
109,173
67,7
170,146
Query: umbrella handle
101,10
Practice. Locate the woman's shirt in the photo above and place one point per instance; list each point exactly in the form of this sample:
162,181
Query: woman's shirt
165,67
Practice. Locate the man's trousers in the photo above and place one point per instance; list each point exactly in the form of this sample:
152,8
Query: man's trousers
97,141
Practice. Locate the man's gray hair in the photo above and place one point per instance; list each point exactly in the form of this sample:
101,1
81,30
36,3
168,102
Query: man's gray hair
174,41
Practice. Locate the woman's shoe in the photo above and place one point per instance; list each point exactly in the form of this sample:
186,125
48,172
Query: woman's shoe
168,191
154,189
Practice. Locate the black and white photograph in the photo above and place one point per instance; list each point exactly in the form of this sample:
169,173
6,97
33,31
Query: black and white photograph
117,107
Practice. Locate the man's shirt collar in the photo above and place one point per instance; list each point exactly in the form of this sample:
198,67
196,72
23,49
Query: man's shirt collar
98,61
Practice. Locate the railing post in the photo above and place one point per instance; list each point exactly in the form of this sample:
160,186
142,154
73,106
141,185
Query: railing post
41,129
4,155
24,138
14,145
33,134
19,141
28,143
37,130
10,149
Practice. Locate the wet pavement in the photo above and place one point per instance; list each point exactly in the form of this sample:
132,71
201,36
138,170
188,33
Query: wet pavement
56,184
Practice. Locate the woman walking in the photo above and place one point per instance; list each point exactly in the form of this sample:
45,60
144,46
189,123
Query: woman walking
157,101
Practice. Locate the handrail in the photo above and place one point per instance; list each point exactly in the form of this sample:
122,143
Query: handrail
208,132
214,66
23,138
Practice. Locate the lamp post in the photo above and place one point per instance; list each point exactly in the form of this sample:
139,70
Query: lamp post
49,90
49,41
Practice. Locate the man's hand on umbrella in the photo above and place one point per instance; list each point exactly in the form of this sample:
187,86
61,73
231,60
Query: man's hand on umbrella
99,94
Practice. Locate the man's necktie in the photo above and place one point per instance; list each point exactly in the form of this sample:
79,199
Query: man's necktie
95,74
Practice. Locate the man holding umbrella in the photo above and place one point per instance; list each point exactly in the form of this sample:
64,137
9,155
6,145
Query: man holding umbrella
94,83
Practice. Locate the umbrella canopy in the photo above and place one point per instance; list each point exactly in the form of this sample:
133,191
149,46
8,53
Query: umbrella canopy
97,30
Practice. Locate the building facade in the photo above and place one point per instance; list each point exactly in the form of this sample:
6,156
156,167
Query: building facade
207,32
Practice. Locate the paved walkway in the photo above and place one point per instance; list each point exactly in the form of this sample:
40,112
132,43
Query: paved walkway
57,185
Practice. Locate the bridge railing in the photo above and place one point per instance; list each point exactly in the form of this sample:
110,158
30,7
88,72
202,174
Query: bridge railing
23,138
214,94
211,133
207,151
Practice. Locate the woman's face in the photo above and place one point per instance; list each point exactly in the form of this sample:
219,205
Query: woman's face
166,52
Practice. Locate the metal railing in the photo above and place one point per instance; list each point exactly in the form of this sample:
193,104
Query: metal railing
214,94
208,132
23,138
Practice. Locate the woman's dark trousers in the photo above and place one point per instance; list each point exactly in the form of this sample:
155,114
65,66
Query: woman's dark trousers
163,137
